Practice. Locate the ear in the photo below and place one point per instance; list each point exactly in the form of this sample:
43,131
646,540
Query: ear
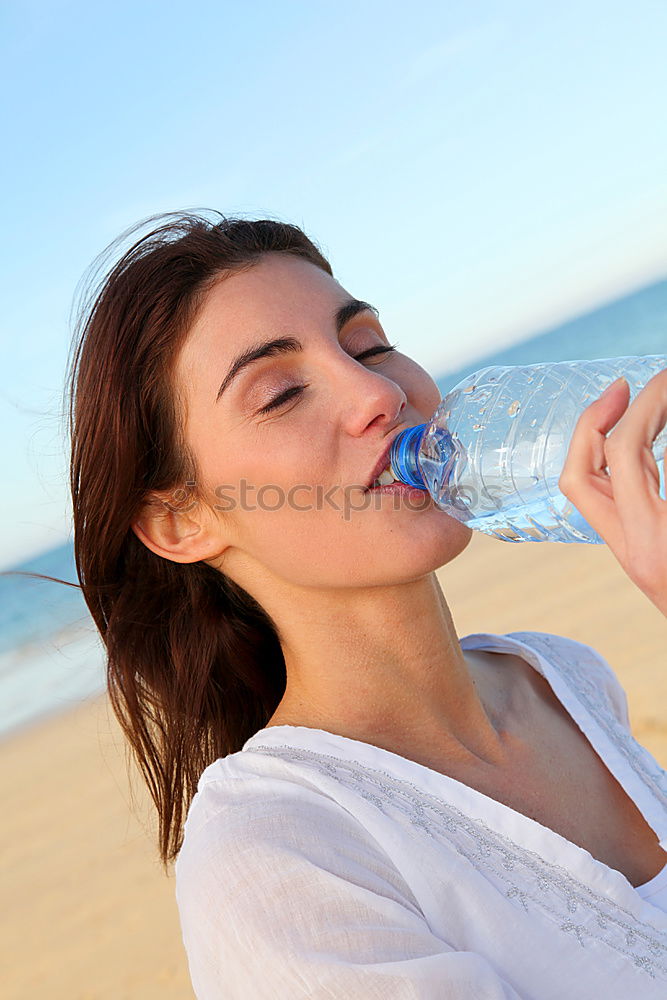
184,534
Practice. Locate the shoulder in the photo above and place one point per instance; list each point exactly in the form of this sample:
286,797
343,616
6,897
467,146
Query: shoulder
282,893
583,668
252,823
266,864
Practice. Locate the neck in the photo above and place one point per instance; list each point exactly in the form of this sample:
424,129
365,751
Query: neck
384,666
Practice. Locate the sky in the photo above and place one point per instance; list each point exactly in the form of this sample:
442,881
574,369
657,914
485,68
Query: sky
478,171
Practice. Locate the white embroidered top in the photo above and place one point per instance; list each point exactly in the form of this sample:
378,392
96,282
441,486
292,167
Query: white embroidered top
317,866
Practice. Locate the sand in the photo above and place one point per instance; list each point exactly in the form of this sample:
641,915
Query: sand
88,913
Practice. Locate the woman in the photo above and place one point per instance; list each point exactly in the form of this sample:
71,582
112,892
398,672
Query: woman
382,810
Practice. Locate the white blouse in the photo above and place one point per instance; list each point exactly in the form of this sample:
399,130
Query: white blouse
317,866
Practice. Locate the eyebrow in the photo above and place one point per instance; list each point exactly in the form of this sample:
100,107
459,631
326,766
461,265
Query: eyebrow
287,345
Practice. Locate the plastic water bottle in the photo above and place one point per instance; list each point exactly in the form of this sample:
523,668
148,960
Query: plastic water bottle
492,454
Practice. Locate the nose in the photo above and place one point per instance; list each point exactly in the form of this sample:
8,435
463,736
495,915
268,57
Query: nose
371,399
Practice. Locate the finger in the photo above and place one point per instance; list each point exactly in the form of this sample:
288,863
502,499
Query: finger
586,453
584,479
629,454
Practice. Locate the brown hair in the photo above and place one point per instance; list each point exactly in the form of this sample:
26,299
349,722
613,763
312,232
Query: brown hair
194,664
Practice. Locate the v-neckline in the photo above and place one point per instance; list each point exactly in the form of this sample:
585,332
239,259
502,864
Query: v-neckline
523,829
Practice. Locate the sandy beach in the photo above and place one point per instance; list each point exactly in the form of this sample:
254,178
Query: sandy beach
88,913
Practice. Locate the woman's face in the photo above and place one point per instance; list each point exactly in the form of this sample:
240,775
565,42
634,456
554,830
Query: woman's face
287,483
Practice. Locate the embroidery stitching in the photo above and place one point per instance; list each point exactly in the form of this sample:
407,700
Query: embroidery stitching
613,925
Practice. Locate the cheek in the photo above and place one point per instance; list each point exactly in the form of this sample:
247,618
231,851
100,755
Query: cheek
325,548
306,547
421,390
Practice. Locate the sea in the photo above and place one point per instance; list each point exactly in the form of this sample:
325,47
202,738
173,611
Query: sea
51,656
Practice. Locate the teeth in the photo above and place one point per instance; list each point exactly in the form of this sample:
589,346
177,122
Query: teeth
385,478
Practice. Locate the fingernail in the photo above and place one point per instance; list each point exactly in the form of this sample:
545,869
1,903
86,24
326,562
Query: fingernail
613,385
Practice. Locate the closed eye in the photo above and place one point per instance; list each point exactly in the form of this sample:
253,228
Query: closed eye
296,390
380,349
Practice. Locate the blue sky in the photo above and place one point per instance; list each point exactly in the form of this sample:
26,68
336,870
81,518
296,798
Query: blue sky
479,171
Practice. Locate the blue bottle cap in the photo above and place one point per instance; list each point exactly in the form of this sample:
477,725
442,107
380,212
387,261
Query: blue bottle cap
403,456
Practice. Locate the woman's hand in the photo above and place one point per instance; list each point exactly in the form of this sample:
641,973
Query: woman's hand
623,505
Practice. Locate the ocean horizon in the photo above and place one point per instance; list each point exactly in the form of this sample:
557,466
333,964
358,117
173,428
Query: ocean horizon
50,654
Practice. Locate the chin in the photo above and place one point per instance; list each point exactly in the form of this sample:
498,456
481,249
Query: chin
426,558
455,538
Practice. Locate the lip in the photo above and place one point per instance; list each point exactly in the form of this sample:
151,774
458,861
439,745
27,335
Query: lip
382,461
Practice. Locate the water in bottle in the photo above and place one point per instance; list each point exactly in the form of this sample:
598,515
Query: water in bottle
492,454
